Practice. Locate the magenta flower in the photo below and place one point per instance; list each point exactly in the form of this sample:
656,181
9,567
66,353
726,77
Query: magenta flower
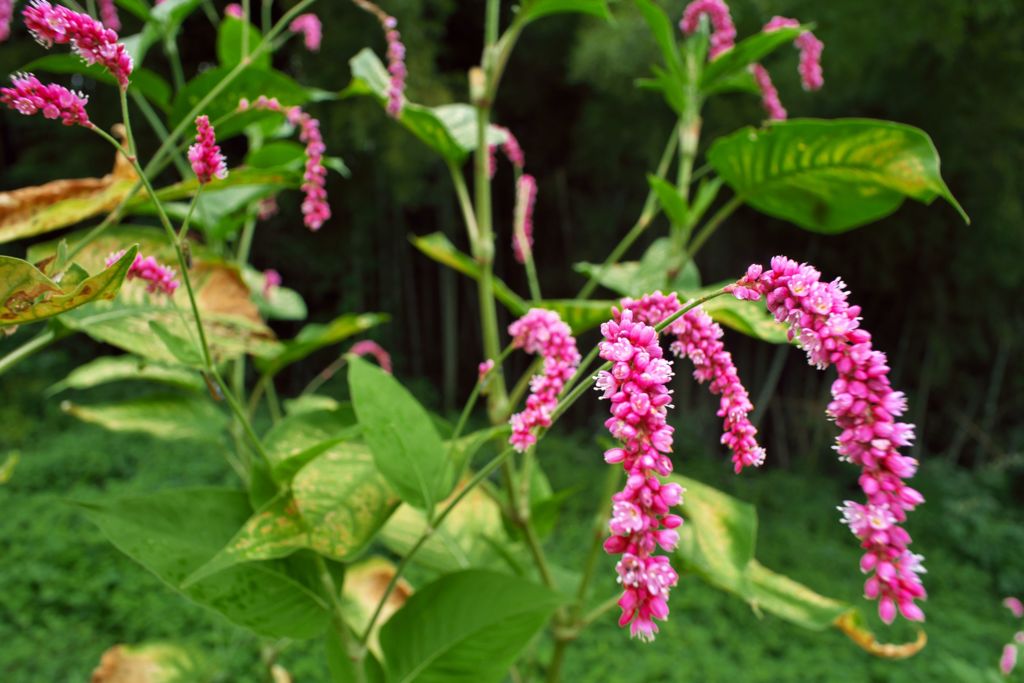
396,67
159,278
769,95
811,76
93,42
723,35
205,157
108,13
865,407
233,10
1015,606
1008,660
698,337
513,152
315,209
271,280
372,348
309,26
484,369
640,521
6,13
542,332
522,236
29,96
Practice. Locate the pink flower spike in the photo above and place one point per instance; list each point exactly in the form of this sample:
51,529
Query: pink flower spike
108,13
396,67
542,332
513,152
1008,660
6,13
522,236
29,96
271,280
205,157
769,95
309,26
233,10
89,39
640,521
723,35
865,408
1015,606
811,75
372,348
159,278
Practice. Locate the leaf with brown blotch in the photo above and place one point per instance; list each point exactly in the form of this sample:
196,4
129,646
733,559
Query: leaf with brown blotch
365,583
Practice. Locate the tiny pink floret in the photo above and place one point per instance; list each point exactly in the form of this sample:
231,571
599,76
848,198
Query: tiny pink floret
233,10
542,332
29,96
205,156
271,281
6,14
311,29
368,347
865,408
91,40
723,35
158,277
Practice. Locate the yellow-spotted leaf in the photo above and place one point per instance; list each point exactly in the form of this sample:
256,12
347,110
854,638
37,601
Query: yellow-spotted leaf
365,583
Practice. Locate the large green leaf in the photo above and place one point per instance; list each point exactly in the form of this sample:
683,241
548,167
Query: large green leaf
650,273
164,417
671,80
230,41
438,247
450,130
335,507
531,10
830,176
487,619
106,369
405,445
792,601
316,336
302,435
172,533
27,295
718,537
734,62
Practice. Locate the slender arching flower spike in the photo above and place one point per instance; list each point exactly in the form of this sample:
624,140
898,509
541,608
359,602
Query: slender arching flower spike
811,75
769,95
89,39
108,13
29,96
865,407
6,13
699,338
372,348
522,235
312,31
723,35
1015,606
542,332
636,387
396,57
205,157
158,277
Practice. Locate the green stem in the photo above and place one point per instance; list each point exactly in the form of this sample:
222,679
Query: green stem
555,667
273,403
354,650
531,278
647,214
595,614
160,129
713,223
465,205
177,72
265,18
183,233
475,394
324,375
599,530
245,241
36,343
520,515
245,29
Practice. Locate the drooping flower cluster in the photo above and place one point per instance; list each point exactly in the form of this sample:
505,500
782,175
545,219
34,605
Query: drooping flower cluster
108,13
94,43
723,35
542,332
396,67
159,278
640,521
309,26
522,235
811,76
30,96
699,338
315,209
207,161
372,348
6,14
769,94
513,152
865,407
271,281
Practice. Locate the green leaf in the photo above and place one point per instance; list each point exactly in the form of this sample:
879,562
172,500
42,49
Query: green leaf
172,533
301,436
671,201
488,619
439,248
650,273
405,444
183,350
830,176
276,153
280,303
791,601
108,369
316,336
580,314
8,465
336,505
531,10
718,538
731,63
148,83
229,43
450,130
164,417
27,295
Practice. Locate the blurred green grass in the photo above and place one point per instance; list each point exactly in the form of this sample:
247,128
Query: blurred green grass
67,595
